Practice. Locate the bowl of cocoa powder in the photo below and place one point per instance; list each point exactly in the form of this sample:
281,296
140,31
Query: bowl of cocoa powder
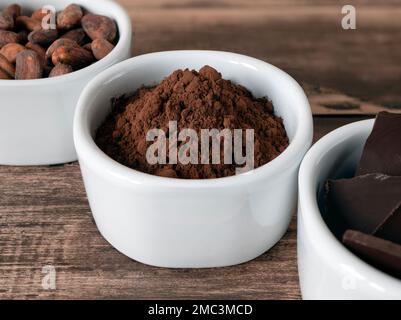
190,158
49,50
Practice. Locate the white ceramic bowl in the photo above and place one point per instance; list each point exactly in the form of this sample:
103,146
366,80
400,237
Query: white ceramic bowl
36,116
192,223
327,269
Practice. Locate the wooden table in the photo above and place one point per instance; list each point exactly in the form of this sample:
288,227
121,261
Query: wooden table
348,75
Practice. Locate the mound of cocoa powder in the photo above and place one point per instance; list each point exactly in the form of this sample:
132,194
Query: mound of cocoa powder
196,100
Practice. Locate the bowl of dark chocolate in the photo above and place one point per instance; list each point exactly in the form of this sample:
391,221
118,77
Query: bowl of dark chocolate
43,71
349,222
201,215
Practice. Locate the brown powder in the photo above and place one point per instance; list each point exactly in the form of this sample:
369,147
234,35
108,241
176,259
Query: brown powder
196,100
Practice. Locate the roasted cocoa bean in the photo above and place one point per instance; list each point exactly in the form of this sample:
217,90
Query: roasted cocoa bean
6,66
6,21
77,35
76,57
60,69
43,37
60,43
97,26
7,37
14,10
4,75
10,51
101,48
70,17
39,50
28,65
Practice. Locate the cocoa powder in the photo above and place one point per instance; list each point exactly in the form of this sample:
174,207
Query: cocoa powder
196,100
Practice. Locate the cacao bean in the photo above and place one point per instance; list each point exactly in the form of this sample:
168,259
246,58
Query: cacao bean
101,48
8,37
70,17
59,43
76,57
14,10
60,69
43,37
6,66
39,14
77,35
6,21
10,51
39,50
4,75
98,26
28,65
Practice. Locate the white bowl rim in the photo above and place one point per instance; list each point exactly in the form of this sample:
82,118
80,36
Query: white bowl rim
328,245
125,33
85,143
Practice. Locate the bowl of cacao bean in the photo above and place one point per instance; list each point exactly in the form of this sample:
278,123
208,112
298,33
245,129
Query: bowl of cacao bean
190,158
49,51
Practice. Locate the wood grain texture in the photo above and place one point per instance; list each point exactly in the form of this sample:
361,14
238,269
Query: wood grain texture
45,220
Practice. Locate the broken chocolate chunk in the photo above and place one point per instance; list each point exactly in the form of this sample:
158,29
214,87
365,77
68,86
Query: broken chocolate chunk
384,255
390,229
365,211
382,152
367,203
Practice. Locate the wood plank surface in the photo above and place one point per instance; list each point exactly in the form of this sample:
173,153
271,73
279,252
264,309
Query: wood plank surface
44,215
45,220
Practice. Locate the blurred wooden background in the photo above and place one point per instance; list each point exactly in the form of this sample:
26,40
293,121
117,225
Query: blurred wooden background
348,75
344,71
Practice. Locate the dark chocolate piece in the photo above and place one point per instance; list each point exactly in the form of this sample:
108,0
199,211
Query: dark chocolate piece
384,255
391,228
382,152
364,203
